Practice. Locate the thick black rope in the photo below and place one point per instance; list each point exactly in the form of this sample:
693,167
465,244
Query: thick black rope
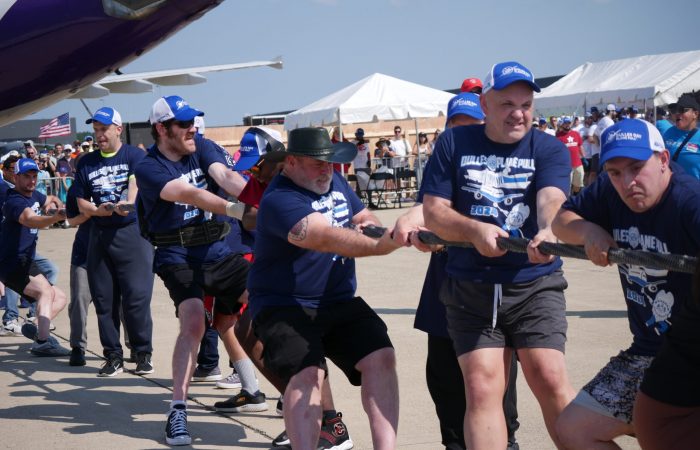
676,263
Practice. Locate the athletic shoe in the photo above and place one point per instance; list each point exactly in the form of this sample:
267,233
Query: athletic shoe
176,428
48,348
12,328
243,402
280,407
232,381
77,357
143,365
334,435
201,375
112,366
282,440
32,319
30,331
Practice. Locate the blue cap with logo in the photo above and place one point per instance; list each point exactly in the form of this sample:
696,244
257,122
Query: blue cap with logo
172,107
256,143
25,165
566,119
630,138
506,73
465,103
106,116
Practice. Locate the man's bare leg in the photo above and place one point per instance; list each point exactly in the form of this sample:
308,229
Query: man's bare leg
302,407
190,314
485,378
380,396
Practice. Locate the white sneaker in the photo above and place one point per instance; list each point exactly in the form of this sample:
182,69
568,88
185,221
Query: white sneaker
232,381
12,328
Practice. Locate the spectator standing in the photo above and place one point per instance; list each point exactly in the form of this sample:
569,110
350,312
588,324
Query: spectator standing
400,148
119,260
683,139
364,155
573,142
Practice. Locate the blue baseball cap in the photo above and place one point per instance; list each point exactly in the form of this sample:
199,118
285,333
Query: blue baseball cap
566,119
465,103
630,138
255,144
106,116
506,73
172,107
594,109
25,165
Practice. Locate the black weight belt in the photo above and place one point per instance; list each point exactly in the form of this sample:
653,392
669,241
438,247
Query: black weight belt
202,234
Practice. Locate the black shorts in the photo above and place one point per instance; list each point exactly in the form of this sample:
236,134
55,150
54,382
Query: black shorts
18,277
296,338
224,279
674,376
595,163
529,315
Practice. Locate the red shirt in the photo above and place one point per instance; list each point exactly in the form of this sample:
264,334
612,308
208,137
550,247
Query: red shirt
573,142
252,193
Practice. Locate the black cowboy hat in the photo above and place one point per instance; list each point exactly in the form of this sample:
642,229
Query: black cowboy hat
316,143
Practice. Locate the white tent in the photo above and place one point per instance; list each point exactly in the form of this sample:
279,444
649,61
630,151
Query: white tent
644,81
377,97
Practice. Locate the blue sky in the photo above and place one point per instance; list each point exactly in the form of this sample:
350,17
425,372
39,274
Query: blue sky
328,44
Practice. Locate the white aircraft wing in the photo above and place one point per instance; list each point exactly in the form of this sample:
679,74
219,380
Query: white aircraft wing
137,83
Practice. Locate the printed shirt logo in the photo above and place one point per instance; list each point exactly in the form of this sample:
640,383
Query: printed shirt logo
36,209
496,184
196,178
110,183
334,207
643,284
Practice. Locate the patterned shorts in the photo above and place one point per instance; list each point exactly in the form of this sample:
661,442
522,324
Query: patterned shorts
613,390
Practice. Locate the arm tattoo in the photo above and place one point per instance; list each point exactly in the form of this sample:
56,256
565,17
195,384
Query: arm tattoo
298,231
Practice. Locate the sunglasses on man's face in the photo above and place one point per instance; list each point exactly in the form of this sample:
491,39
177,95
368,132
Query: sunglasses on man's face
184,124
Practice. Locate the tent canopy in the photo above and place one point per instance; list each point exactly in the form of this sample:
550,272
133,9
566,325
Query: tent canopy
651,80
377,97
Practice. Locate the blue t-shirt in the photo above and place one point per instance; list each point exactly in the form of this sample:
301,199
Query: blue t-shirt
663,125
154,172
78,256
105,179
673,226
239,240
689,157
17,241
4,188
284,274
496,183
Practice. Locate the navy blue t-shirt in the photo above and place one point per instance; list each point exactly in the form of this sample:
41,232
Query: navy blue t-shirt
154,172
673,226
17,241
238,240
78,256
284,274
106,180
496,183
4,188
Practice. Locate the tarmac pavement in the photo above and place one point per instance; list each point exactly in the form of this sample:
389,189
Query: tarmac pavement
45,403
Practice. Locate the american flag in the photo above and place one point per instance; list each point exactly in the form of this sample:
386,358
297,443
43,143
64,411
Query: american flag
58,126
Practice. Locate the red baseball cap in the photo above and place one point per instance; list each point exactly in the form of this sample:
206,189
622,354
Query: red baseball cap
470,84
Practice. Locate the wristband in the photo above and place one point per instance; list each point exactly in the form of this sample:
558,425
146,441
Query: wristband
235,210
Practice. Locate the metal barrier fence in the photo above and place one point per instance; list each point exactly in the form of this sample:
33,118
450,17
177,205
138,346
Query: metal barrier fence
57,186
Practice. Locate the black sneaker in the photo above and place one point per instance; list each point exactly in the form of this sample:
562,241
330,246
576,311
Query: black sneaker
113,366
201,374
176,428
280,407
334,435
282,440
77,357
243,402
143,364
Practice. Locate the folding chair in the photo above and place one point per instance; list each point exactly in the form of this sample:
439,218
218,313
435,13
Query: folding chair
377,183
407,177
